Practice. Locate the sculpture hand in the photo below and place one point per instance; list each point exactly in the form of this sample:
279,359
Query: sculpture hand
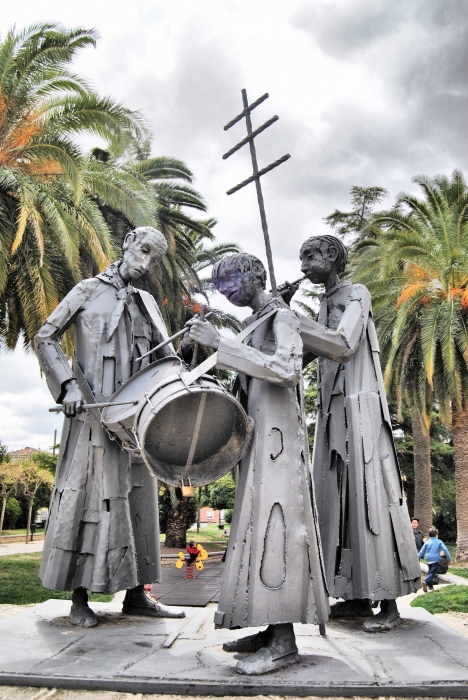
73,399
186,343
287,291
204,333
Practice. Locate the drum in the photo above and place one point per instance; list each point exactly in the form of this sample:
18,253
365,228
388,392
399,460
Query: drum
187,434
120,420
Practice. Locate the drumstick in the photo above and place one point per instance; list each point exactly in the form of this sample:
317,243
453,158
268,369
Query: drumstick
195,349
169,340
58,409
291,284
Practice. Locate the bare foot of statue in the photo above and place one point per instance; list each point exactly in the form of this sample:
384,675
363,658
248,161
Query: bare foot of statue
385,620
252,643
137,602
280,651
81,613
351,608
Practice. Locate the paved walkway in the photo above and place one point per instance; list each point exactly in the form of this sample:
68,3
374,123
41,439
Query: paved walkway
38,647
21,548
175,589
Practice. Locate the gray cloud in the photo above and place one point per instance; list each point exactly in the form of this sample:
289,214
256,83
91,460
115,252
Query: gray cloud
369,92
419,51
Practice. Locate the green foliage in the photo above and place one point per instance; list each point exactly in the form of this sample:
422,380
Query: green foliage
45,460
417,272
445,515
221,494
4,456
51,230
228,515
354,222
13,512
442,468
20,583
310,400
448,599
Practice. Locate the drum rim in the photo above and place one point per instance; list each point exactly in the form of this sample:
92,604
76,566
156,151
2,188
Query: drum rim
195,388
140,371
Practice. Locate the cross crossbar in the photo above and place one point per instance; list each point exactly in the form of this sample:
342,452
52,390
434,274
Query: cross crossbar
252,136
247,109
257,174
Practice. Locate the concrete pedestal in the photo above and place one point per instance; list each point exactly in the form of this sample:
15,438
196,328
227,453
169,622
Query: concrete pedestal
38,647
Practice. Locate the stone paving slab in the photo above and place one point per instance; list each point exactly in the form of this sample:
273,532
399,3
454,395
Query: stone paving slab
38,647
175,589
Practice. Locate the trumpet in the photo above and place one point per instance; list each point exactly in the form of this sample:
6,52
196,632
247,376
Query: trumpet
290,284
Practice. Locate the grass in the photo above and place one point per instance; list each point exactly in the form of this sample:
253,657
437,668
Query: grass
210,533
20,531
209,537
458,572
20,583
448,599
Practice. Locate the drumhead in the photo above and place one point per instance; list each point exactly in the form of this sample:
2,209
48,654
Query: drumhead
134,389
168,433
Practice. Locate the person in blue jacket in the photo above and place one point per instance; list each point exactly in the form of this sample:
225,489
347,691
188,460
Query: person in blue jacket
431,550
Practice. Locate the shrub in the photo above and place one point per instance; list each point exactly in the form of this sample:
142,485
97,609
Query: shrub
12,513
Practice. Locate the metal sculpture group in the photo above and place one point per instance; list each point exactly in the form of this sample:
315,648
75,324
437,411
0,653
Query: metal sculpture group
300,532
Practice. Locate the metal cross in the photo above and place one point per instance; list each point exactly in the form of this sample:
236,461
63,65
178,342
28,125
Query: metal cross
257,174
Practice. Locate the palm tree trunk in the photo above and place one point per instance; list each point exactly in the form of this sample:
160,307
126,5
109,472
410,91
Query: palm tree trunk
29,519
176,530
2,516
460,453
422,473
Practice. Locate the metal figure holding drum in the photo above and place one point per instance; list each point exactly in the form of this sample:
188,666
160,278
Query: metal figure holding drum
126,422
273,573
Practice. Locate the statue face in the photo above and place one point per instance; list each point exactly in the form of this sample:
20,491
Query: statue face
141,253
317,262
238,287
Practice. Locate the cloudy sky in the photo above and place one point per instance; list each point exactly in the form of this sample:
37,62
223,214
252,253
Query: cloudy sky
369,92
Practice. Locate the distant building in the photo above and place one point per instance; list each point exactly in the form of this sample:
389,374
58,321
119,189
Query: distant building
24,453
210,516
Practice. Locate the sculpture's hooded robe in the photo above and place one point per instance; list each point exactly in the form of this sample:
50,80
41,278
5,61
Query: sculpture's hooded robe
366,535
103,530
273,572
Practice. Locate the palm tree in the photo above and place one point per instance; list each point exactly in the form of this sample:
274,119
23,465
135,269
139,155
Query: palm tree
49,223
420,268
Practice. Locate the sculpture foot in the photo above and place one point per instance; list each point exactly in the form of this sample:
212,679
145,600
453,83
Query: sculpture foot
281,651
351,608
266,660
387,619
252,643
80,613
137,602
157,610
